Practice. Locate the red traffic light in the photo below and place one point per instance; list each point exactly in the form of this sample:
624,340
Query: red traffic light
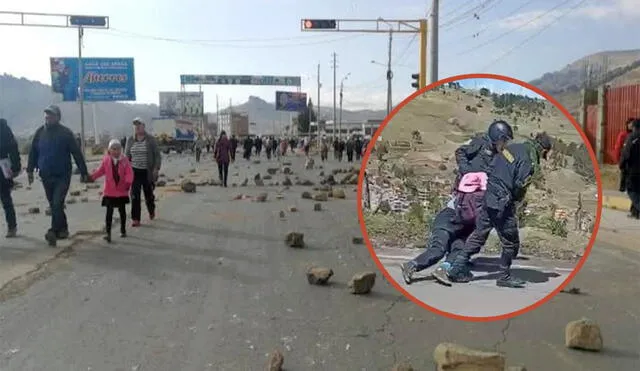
319,24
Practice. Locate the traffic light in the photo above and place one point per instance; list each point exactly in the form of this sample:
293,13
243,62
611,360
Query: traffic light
416,84
319,24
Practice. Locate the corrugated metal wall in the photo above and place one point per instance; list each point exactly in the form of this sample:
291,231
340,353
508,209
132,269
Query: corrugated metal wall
622,103
592,124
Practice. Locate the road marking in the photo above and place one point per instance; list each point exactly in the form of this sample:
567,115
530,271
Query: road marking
407,258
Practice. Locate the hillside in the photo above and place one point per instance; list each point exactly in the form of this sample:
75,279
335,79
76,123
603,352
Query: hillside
413,169
22,102
608,67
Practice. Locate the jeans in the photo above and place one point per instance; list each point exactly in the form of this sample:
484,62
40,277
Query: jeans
7,204
223,172
635,202
141,184
56,188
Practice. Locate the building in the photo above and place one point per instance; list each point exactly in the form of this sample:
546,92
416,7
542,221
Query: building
366,127
239,124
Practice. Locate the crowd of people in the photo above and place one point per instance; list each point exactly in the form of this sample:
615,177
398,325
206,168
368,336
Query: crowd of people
492,179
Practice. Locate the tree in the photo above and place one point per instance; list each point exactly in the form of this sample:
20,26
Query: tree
306,117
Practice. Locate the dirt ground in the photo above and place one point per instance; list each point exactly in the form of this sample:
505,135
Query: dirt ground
414,162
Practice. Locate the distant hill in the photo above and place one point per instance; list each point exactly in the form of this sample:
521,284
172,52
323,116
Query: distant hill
22,102
609,67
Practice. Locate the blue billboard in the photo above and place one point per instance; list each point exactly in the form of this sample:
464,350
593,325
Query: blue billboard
291,101
105,79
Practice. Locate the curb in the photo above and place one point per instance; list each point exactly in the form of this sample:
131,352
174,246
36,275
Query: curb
616,203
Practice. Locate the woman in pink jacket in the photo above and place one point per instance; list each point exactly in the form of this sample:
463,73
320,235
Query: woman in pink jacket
118,173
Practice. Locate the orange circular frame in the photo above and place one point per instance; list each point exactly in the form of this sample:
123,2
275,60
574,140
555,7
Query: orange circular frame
580,263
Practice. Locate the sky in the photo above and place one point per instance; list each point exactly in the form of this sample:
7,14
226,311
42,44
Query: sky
498,86
519,38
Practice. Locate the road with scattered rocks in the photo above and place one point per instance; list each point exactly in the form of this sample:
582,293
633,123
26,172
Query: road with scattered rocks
211,285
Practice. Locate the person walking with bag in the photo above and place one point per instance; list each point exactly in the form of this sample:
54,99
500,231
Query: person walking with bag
118,174
10,167
222,155
144,154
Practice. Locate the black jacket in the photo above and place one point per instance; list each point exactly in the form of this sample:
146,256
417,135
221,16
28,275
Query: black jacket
9,150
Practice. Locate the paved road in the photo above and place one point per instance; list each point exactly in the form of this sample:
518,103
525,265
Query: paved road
488,300
211,286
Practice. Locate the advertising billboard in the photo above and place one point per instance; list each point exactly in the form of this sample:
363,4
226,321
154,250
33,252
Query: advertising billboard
105,79
291,101
173,104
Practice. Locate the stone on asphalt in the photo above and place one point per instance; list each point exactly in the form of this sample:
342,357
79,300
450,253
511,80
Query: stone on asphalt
244,182
71,200
281,214
161,183
321,196
287,181
74,193
258,180
338,193
293,209
449,356
319,275
272,170
192,171
84,200
267,177
583,334
188,186
516,368
317,207
276,361
402,367
357,240
295,239
287,170
47,211
262,197
306,183
306,195
362,283
34,210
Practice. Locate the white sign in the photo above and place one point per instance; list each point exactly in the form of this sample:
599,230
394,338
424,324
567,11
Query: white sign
188,104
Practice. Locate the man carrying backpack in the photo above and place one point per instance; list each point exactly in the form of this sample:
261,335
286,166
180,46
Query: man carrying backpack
507,184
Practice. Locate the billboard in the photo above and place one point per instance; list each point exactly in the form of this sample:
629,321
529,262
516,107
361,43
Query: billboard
291,101
105,79
240,80
174,104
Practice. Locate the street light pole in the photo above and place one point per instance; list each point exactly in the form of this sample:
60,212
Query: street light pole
389,74
81,90
341,94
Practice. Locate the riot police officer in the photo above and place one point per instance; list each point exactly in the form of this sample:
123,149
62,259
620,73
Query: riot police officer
478,154
512,171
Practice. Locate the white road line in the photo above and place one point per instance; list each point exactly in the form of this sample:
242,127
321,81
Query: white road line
407,258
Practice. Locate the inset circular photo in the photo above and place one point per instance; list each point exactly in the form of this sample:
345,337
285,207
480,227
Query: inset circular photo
480,197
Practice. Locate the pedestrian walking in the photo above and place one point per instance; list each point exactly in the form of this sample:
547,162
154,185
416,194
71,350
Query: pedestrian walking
222,155
198,147
144,154
52,147
11,166
118,178
630,167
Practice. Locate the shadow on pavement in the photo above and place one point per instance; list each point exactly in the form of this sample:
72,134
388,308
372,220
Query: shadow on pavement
525,274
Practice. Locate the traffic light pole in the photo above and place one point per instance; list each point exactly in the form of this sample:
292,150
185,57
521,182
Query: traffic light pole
379,25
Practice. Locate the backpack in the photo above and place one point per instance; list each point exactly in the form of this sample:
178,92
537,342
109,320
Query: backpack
467,206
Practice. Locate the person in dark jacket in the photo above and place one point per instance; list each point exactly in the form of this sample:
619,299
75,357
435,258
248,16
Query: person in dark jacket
222,155
478,154
358,147
620,141
234,147
511,174
630,166
52,147
10,167
350,147
247,145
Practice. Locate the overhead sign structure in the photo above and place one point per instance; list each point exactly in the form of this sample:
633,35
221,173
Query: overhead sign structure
319,24
105,79
88,21
174,104
291,101
240,80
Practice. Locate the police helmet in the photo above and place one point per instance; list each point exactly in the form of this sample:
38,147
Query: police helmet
544,141
500,130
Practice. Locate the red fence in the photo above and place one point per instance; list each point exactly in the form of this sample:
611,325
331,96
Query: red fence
592,124
622,103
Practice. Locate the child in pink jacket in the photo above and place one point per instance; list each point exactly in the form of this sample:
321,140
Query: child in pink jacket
118,173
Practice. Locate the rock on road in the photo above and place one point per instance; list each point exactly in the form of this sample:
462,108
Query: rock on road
210,285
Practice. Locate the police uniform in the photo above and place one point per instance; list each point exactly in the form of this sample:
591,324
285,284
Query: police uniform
507,183
475,156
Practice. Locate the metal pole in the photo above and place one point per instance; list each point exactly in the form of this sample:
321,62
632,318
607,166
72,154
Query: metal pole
230,117
433,42
218,115
81,90
389,74
318,102
340,120
95,124
334,94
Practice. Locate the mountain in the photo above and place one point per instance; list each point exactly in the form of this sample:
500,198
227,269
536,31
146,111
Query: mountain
609,67
22,102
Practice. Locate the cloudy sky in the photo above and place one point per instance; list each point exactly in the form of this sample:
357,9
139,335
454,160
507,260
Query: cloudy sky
519,38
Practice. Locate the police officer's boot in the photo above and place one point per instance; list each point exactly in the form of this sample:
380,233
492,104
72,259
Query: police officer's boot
507,280
408,270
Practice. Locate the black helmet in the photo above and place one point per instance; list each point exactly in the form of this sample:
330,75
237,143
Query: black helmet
499,130
544,141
